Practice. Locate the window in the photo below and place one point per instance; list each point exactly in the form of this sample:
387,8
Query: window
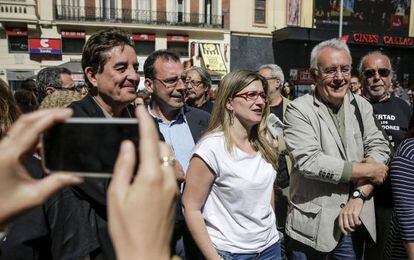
207,8
178,10
181,48
18,43
109,10
144,48
260,11
72,45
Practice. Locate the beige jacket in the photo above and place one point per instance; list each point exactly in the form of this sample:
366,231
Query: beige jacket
317,185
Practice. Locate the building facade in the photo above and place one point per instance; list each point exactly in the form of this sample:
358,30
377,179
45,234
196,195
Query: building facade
36,34
379,25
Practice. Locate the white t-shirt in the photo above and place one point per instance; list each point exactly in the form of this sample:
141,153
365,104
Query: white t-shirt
238,212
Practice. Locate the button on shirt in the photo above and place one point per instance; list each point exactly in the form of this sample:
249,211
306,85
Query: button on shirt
177,134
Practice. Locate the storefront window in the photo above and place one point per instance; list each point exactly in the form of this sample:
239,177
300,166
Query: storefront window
18,43
260,11
144,48
72,45
181,48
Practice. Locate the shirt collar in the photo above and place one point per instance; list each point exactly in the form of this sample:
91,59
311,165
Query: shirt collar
180,116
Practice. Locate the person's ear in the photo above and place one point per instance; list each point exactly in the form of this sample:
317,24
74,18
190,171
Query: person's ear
314,73
229,105
50,90
91,75
149,85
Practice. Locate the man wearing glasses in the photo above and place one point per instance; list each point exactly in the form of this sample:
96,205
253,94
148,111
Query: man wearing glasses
50,79
338,153
198,88
393,114
181,125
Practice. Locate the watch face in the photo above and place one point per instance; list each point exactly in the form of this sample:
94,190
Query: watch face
356,194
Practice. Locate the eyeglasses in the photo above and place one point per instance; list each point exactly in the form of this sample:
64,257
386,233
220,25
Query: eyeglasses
252,95
270,78
194,83
171,82
383,72
333,71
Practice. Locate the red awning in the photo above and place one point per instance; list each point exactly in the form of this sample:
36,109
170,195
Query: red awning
72,34
16,31
143,37
177,38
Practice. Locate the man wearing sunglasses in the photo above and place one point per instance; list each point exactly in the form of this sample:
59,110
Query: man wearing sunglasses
337,159
393,114
181,125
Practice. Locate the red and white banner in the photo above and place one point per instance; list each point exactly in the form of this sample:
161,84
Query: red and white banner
45,45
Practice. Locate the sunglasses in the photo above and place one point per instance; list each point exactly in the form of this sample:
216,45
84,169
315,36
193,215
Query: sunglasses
383,72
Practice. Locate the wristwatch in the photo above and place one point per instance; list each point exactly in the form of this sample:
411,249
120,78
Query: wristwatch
359,194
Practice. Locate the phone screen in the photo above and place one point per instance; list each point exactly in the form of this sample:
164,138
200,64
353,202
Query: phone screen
88,146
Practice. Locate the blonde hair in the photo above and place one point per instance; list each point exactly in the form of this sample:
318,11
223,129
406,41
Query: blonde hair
221,118
60,99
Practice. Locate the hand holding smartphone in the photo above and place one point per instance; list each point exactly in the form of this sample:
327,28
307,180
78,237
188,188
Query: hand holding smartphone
87,146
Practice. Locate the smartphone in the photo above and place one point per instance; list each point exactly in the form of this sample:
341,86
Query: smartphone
87,146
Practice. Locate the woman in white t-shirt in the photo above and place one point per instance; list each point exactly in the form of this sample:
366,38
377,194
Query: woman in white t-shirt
228,197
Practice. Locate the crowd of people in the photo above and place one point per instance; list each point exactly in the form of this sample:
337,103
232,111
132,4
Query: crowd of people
253,174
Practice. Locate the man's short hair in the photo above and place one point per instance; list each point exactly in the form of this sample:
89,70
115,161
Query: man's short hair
361,65
97,46
28,84
47,77
332,43
166,55
276,71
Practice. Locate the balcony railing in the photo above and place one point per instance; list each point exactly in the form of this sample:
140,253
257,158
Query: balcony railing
118,15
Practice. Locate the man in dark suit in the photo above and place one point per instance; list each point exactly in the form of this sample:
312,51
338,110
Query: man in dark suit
181,125
110,69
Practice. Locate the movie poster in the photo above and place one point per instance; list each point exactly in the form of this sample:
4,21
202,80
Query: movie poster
385,16
293,12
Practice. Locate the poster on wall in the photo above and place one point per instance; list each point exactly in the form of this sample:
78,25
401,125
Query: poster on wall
293,12
386,16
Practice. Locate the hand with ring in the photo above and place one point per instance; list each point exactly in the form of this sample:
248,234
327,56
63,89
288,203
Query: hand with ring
18,190
141,211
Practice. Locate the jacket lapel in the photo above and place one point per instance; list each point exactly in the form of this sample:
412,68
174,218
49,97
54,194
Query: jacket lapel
327,118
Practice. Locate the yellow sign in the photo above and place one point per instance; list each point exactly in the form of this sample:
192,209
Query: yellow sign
213,60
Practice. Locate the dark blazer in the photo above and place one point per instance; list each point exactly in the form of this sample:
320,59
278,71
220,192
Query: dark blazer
197,121
93,190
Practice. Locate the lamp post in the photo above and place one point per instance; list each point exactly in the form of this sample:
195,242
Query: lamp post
341,17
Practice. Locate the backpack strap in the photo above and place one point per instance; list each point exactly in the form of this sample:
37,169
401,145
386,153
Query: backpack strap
358,116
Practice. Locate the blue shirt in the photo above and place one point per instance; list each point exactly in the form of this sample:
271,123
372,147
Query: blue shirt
178,135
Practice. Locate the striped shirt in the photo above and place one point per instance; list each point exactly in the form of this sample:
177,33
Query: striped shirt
402,182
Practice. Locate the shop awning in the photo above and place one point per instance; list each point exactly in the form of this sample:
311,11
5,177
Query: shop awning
16,31
73,34
212,57
143,37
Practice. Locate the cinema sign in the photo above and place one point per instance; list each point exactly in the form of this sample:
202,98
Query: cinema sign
377,39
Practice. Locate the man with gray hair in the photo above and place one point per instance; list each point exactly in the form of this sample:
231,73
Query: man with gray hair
50,79
275,78
338,153
394,115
